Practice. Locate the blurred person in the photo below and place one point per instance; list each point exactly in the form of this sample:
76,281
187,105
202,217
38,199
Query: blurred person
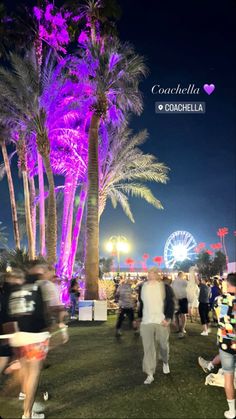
215,292
23,304
203,308
74,297
225,306
126,301
167,280
193,294
6,353
179,287
46,279
157,310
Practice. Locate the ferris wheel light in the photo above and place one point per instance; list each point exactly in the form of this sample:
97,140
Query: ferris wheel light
179,246
180,252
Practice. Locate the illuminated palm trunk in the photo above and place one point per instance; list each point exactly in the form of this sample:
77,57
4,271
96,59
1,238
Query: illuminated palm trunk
12,196
42,242
28,216
67,195
51,228
69,224
51,231
33,210
76,230
92,224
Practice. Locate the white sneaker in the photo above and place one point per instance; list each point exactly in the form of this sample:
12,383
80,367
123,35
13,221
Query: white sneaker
21,396
229,415
38,407
45,396
166,368
204,333
73,317
34,416
149,379
203,364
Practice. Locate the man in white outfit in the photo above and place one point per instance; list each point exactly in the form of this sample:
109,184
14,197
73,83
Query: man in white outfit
157,310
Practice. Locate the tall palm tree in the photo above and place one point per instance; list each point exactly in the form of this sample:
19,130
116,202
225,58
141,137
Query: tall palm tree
21,151
126,168
21,89
4,135
115,71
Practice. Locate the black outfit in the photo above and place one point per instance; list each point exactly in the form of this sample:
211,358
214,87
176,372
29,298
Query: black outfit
24,304
183,306
204,303
122,312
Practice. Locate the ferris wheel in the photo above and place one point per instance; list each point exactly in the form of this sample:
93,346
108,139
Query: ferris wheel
179,246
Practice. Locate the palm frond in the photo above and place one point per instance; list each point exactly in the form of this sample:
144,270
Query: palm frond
140,191
117,196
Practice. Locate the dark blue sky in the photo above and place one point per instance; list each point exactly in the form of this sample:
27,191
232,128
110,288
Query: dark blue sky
183,43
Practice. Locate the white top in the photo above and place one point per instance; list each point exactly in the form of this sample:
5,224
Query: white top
153,296
180,288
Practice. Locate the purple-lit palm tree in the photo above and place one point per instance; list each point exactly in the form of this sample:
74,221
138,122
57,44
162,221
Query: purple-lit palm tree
115,71
21,90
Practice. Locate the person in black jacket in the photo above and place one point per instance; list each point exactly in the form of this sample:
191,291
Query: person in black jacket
156,311
23,305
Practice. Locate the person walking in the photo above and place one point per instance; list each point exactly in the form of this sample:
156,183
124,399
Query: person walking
74,297
126,300
204,296
180,291
225,306
157,310
23,304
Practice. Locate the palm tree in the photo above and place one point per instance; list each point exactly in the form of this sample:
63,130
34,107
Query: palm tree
4,135
126,168
117,73
21,151
21,89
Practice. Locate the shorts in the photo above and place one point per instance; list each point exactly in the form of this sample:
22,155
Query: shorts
228,361
34,351
183,306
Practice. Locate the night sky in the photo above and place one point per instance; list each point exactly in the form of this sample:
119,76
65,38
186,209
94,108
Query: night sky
183,43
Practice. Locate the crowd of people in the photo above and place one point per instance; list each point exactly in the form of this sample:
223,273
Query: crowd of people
31,311
159,302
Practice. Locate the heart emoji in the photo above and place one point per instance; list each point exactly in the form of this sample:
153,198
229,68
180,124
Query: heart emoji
209,88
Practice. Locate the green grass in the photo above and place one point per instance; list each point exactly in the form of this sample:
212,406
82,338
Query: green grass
96,376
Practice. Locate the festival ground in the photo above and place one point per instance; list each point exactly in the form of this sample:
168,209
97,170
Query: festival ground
96,376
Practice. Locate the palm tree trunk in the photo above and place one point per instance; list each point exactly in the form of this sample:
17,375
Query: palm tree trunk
28,216
92,224
12,196
66,205
76,230
70,224
51,231
33,210
42,245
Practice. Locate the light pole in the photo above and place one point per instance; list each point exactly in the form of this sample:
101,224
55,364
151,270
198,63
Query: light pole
118,244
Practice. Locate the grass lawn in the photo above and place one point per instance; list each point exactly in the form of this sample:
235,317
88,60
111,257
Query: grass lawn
96,376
